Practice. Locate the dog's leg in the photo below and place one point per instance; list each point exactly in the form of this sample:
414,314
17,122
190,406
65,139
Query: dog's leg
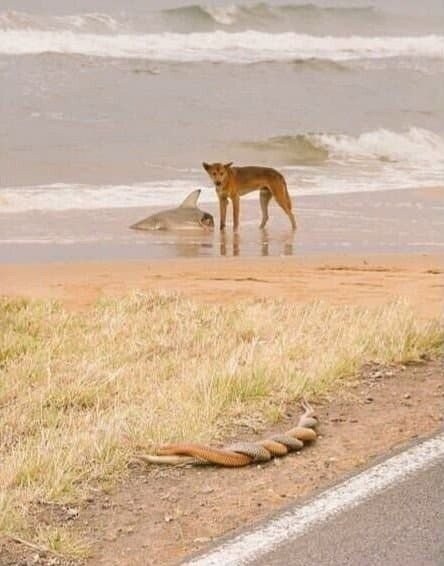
265,197
283,199
223,203
236,211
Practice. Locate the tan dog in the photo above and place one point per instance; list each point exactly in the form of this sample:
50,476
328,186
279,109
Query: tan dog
234,182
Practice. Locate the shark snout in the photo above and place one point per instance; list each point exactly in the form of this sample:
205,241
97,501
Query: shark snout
207,220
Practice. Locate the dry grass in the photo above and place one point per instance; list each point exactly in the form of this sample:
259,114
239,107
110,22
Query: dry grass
80,392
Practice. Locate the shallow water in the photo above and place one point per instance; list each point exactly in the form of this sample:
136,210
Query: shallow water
407,221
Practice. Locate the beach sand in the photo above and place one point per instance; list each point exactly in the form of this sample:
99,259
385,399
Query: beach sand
363,280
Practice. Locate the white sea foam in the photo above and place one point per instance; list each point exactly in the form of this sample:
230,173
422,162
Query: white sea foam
417,145
301,181
219,46
225,15
65,196
85,21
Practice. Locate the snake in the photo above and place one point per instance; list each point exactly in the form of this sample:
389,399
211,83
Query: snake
241,453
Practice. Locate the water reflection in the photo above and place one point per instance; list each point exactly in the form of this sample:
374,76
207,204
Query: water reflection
230,242
246,243
263,244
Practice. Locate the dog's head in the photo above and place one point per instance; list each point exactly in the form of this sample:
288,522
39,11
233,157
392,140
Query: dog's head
218,172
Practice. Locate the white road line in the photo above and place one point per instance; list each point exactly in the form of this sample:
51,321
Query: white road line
250,546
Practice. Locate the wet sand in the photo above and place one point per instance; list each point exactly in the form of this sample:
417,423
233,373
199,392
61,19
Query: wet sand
385,222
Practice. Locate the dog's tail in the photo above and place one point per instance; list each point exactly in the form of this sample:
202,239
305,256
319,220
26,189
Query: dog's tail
287,194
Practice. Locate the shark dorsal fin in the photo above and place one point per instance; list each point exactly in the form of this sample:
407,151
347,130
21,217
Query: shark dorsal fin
191,200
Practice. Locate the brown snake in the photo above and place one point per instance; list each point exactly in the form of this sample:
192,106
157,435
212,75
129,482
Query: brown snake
241,453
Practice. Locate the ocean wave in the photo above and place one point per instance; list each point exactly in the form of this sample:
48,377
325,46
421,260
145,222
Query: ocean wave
415,146
262,13
194,17
220,46
197,14
89,22
301,148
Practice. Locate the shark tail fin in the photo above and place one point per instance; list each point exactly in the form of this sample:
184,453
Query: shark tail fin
191,200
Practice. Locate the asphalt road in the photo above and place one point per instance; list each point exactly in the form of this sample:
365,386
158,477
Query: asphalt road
390,514
403,526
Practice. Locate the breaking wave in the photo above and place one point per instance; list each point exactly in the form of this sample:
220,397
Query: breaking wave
192,18
301,148
262,13
416,146
220,46
90,22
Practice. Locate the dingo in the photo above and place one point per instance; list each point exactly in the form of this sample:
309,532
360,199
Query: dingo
233,182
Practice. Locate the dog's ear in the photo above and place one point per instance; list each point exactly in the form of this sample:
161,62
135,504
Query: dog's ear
228,165
206,166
